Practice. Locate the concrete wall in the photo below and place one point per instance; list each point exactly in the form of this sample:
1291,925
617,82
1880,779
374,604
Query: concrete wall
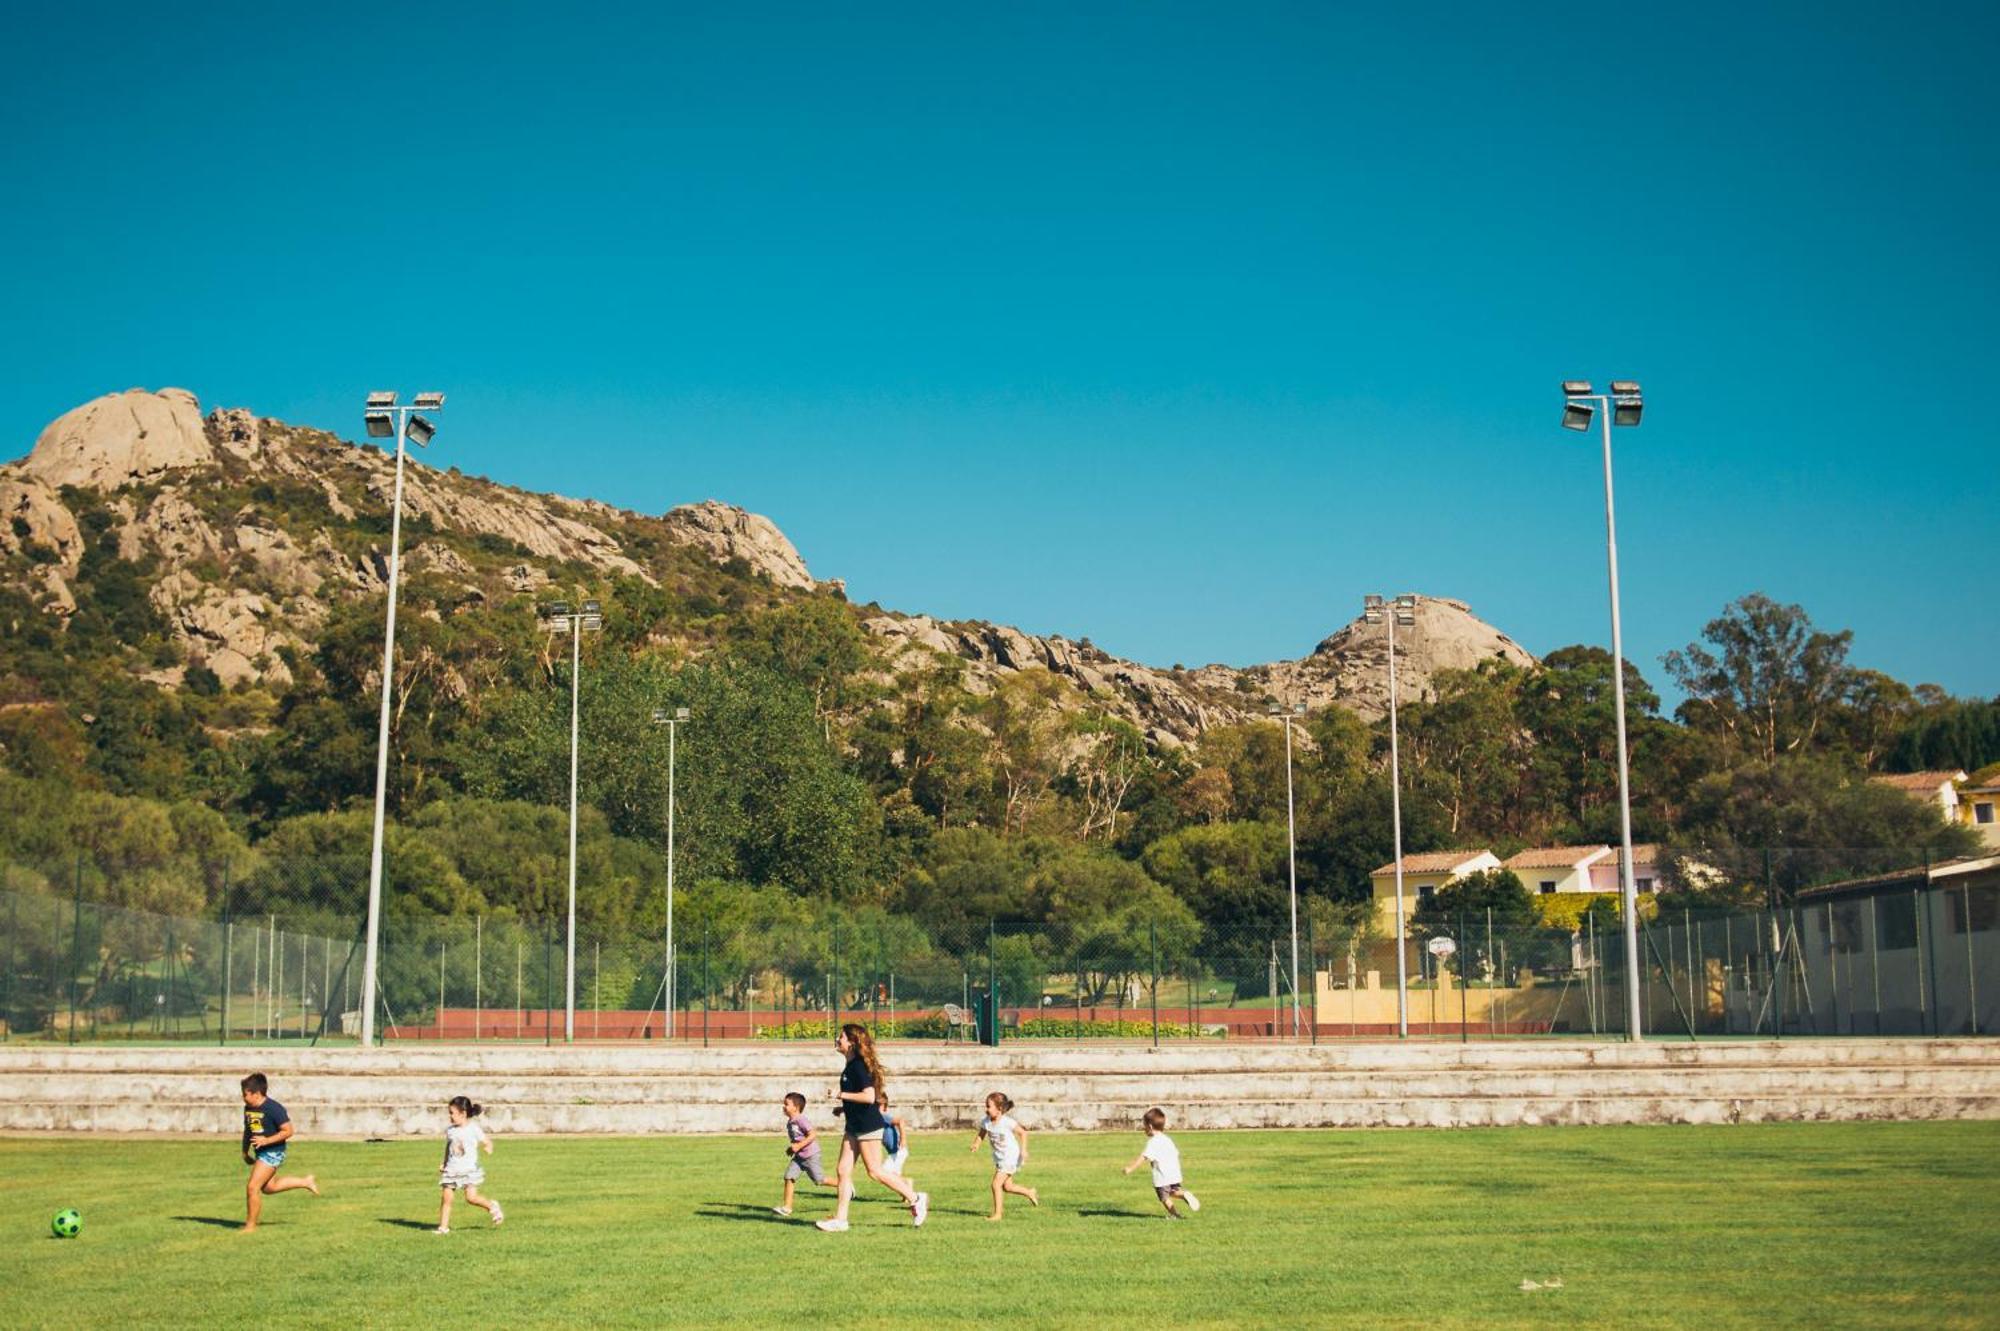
399,1092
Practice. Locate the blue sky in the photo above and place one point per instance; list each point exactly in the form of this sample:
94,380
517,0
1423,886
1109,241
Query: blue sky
1179,326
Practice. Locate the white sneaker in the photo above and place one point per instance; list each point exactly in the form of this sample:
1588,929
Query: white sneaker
1194,1202
922,1208
499,1216
781,1210
831,1226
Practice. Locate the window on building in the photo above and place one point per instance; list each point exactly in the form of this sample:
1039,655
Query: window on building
1425,892
1980,906
1548,886
1896,921
1982,812
1645,884
1847,926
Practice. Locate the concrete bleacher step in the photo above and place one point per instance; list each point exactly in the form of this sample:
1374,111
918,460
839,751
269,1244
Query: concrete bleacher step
659,1088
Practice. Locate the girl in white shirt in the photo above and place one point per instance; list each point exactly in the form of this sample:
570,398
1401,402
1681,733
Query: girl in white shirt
463,1141
1010,1152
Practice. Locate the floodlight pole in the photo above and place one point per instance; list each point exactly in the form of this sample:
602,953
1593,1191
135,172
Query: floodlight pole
374,931
1292,855
670,985
1623,395
575,693
1628,888
1396,817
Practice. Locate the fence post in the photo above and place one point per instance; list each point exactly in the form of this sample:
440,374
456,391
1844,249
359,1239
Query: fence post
478,972
13,925
75,945
704,985
1464,980
548,980
1927,923
1153,934
833,998
1971,979
993,981
228,938
1312,969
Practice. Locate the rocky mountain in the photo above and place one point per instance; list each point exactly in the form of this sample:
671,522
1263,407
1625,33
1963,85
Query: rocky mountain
250,530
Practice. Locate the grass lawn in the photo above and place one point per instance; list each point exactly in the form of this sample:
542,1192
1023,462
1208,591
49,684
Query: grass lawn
1793,1224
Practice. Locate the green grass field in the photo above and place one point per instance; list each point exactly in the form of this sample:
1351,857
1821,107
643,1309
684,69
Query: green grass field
1826,1224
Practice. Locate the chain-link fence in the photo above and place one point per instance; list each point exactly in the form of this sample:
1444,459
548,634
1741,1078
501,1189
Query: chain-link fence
1834,944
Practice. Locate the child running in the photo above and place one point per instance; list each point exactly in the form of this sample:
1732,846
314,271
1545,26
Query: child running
1010,1152
861,1085
802,1154
1166,1161
463,1141
266,1129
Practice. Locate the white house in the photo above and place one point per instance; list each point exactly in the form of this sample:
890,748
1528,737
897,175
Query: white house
1549,869
1934,788
1423,875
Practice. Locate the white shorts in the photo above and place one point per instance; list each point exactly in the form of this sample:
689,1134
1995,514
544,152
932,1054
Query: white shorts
472,1180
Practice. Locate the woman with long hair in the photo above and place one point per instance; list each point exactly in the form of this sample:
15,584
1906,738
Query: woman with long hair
858,1105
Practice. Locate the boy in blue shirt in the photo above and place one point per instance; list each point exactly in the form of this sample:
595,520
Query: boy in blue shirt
266,1129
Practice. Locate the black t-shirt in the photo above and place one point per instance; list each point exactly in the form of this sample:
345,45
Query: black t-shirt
860,1117
264,1120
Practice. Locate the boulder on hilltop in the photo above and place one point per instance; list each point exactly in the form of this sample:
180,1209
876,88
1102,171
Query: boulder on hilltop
121,439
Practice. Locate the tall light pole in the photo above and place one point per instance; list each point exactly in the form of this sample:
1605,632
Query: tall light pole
1292,853
672,721
558,618
1402,610
384,418
1622,406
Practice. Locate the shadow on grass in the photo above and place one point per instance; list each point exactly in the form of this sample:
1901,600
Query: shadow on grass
1103,1214
401,1223
215,1220
743,1211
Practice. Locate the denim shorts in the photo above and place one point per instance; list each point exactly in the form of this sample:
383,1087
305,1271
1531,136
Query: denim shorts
271,1155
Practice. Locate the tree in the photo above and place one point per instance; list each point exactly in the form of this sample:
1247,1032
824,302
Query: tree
1026,745
1767,678
1463,749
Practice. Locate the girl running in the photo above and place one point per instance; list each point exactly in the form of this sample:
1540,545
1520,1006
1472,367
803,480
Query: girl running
861,1082
463,1141
1010,1152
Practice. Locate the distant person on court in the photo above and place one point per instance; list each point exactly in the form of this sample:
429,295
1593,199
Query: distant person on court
802,1154
463,1141
861,1083
1165,1157
266,1129
1010,1152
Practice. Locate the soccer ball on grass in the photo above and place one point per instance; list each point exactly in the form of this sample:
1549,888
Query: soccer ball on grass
67,1224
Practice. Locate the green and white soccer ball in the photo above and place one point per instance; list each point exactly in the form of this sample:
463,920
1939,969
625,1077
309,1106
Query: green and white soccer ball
67,1224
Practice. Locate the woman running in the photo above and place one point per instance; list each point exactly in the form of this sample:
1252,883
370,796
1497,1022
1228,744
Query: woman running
857,1104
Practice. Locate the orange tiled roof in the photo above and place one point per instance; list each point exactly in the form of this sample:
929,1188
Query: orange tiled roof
1560,857
1437,861
1922,782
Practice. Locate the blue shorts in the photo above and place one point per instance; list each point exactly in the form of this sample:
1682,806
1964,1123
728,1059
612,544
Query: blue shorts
272,1156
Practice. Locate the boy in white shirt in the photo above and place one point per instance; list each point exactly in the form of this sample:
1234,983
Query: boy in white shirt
1165,1158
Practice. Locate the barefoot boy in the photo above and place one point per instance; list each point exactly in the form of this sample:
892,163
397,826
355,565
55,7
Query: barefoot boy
266,1129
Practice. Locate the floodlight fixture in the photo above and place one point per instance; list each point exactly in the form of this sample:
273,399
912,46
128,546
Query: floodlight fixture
662,716
381,399
1406,610
1371,609
420,431
1576,387
380,424
1577,415
430,400
1626,402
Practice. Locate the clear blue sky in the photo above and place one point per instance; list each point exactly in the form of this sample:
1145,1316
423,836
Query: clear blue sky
1178,326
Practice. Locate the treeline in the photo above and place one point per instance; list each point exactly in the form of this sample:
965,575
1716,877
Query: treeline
807,775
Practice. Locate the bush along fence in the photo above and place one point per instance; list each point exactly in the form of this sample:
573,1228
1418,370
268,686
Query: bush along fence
1899,951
